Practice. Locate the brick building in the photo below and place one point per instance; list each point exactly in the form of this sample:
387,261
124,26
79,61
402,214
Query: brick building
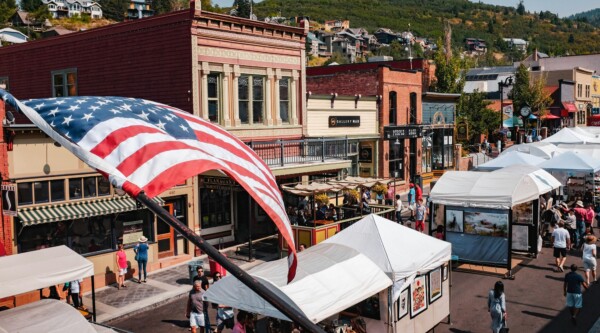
399,116
245,75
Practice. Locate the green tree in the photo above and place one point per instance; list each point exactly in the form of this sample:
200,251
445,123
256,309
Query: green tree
520,93
7,9
473,109
115,10
31,5
336,57
521,8
491,27
539,98
161,6
243,8
449,76
571,39
40,15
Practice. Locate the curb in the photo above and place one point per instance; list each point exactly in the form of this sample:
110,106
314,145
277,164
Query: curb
144,308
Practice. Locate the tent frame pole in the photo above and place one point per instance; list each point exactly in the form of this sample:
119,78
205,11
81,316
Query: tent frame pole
93,299
251,282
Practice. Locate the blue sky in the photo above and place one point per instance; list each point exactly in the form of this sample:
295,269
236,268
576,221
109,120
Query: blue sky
560,7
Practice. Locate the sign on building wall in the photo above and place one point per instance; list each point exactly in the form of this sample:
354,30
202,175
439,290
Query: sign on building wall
344,121
9,204
366,154
402,132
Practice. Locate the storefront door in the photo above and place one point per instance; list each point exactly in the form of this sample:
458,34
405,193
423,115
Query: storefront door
165,235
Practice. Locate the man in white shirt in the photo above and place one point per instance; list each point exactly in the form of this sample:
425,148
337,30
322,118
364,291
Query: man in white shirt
399,207
561,242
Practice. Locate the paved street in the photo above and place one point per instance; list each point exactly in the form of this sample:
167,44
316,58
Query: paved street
534,301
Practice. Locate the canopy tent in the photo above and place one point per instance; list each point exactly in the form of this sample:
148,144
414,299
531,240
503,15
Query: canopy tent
400,252
329,279
539,149
585,132
500,189
47,315
334,185
510,158
512,122
572,162
589,150
568,135
310,188
55,265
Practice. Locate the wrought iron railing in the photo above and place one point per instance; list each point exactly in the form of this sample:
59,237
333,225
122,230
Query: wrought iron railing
282,152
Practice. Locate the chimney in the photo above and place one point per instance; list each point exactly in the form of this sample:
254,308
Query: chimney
535,55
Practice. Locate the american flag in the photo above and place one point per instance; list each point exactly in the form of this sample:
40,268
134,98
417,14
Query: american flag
147,146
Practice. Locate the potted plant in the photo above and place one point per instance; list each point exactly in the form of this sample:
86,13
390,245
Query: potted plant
322,199
380,190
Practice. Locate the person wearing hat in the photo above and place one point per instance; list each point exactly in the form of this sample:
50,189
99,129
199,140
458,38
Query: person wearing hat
589,257
580,215
141,256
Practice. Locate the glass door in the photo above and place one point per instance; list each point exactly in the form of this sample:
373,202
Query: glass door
165,235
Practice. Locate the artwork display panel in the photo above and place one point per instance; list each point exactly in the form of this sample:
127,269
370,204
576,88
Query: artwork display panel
403,303
435,284
418,296
486,224
454,220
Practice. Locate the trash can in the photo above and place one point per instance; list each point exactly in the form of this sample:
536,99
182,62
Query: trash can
216,267
193,266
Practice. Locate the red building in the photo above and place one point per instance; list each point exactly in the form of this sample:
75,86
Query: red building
400,113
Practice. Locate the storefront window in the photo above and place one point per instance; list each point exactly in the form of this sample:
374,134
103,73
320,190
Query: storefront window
89,186
88,235
40,190
215,207
103,186
24,192
396,159
75,188
284,99
57,190
443,149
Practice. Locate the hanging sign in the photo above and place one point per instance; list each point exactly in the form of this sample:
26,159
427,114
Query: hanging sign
9,204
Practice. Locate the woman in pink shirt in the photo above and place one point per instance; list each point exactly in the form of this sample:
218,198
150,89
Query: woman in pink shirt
122,265
589,217
240,326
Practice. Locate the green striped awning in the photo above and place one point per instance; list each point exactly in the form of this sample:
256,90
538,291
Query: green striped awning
78,210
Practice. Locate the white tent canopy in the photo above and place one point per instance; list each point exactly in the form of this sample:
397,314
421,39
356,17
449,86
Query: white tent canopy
511,158
34,270
567,135
47,315
539,149
590,150
330,278
400,252
573,162
500,189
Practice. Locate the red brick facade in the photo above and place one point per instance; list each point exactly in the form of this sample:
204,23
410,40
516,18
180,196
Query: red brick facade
376,79
6,231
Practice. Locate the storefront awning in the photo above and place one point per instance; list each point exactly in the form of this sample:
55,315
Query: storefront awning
570,107
78,210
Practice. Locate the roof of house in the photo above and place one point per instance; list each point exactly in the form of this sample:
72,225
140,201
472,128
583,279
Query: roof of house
311,37
23,15
491,70
516,41
60,30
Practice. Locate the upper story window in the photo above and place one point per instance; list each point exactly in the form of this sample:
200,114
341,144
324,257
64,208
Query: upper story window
64,83
579,90
214,97
413,108
251,99
41,191
284,99
4,83
393,99
587,90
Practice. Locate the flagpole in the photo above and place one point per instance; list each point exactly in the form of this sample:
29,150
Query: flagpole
252,283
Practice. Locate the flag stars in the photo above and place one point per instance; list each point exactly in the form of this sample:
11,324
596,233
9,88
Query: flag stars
74,108
114,111
80,101
53,112
168,118
126,107
94,107
39,106
144,115
161,125
183,127
60,102
87,116
67,120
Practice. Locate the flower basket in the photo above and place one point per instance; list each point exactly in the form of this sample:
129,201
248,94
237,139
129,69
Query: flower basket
355,194
322,199
380,189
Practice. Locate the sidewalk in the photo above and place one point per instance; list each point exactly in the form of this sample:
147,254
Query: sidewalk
161,287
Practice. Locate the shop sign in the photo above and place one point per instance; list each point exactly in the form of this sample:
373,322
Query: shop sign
593,121
366,154
9,204
219,183
402,132
344,121
132,231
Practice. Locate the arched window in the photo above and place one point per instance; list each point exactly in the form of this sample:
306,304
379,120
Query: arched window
393,107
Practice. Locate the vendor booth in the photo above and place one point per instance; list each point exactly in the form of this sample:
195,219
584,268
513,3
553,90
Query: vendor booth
571,136
487,215
539,149
40,269
47,315
376,272
578,172
510,158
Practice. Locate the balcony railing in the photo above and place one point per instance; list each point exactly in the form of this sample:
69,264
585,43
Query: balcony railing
314,150
348,215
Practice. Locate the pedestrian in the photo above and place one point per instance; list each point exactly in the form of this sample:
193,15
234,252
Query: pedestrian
589,217
75,288
561,243
240,326
580,215
420,213
497,307
122,266
224,313
195,307
411,201
141,256
301,248
439,232
589,258
399,207
572,290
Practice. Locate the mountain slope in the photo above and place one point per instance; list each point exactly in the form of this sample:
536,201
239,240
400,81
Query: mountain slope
591,16
544,30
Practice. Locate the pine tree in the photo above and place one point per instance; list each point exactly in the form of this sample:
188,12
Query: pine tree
31,5
7,9
115,10
521,8
243,8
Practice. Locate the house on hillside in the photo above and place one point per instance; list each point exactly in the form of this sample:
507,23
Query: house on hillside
517,43
486,79
475,45
386,36
56,31
21,19
313,44
336,25
68,8
139,9
12,36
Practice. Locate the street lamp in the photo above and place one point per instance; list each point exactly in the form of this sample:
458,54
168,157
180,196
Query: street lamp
501,84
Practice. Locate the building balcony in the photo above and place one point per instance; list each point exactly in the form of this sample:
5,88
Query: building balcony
283,153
